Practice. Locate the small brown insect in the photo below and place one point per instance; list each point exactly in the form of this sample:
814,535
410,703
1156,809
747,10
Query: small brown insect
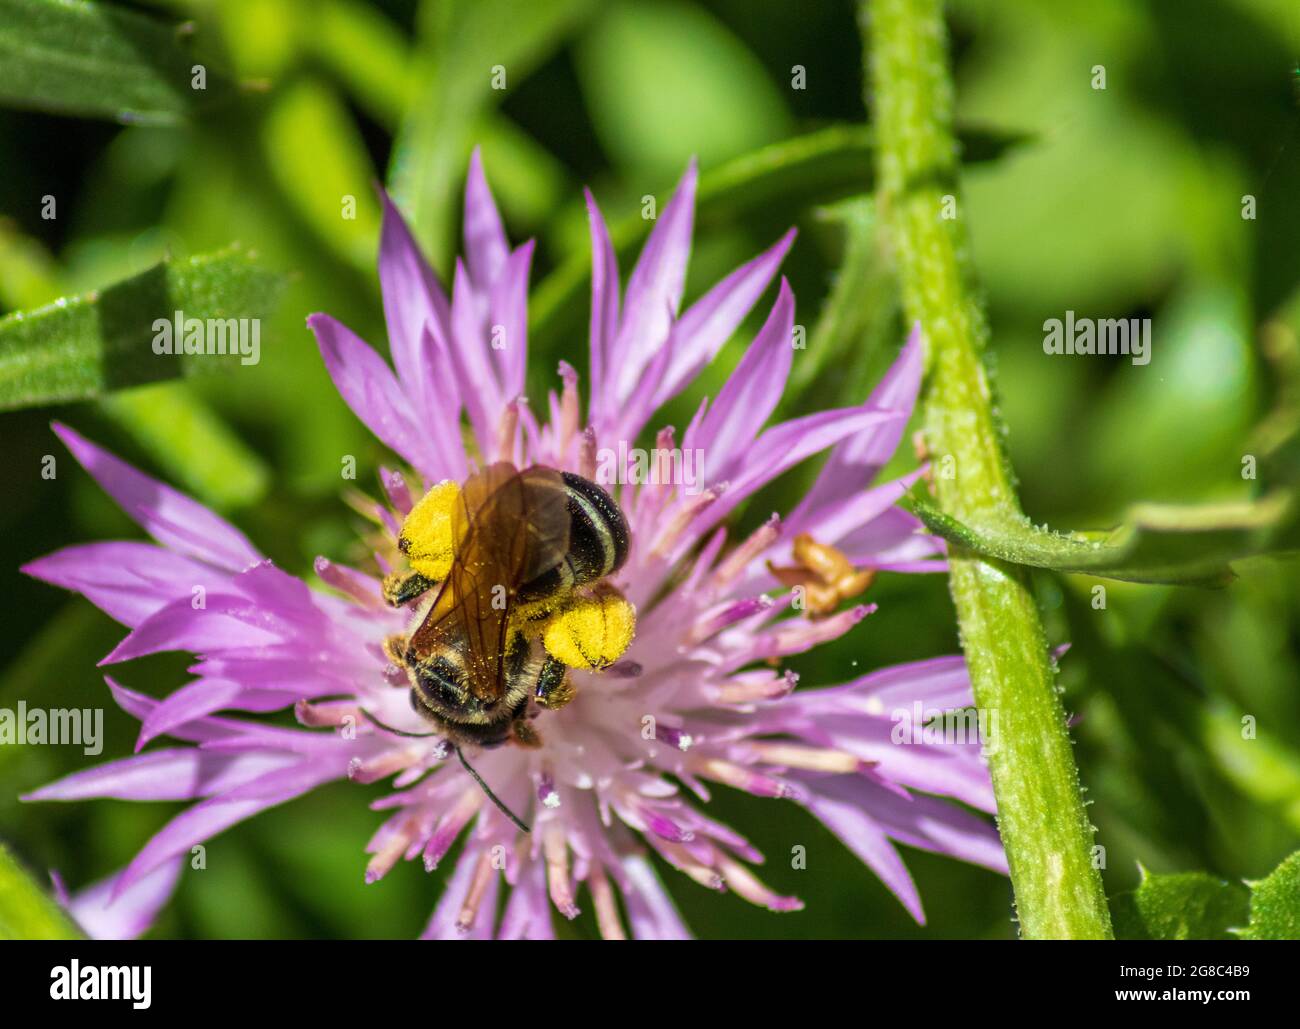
824,573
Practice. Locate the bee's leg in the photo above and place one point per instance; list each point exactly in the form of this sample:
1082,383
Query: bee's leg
592,629
524,734
553,688
399,588
395,649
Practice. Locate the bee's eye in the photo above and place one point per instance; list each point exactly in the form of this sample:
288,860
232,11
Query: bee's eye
442,684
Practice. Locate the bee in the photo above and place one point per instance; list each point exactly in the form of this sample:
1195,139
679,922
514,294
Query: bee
527,552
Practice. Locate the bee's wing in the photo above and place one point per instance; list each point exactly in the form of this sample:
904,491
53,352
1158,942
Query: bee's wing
509,524
546,502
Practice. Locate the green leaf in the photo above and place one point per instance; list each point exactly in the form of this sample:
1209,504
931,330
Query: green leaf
1275,904
1156,543
309,119
817,168
369,53
26,911
83,346
1120,225
191,443
1181,906
1277,438
69,57
27,271
1197,402
651,118
1260,766
181,432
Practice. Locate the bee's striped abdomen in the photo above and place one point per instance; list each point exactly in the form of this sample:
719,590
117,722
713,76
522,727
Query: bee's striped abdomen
598,541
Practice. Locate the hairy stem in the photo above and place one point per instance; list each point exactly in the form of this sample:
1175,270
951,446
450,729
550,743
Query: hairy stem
1041,814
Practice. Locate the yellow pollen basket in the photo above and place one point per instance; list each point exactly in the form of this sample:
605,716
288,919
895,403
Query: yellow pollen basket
592,629
427,536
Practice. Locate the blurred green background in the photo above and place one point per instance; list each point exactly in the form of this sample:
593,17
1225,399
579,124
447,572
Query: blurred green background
1123,202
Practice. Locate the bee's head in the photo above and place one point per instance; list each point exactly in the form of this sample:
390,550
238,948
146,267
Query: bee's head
439,683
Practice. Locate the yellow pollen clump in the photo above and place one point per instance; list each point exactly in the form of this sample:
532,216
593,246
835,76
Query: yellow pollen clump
428,537
592,629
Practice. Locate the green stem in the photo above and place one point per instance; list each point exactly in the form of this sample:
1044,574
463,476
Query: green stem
1041,816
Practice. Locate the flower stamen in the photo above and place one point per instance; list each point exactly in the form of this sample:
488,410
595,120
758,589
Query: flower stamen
478,886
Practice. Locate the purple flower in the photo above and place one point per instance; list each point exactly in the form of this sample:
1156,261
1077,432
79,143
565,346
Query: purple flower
626,768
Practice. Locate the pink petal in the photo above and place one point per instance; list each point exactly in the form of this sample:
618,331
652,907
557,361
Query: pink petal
851,512
178,773
128,581
639,404
231,735
782,447
924,822
899,386
216,814
604,308
854,463
369,387
650,908
750,395
469,349
654,290
138,706
946,769
911,567
891,537
509,306
528,911
303,679
170,517
225,622
413,300
442,926
709,322
486,248
940,682
203,697
863,835
442,422
134,911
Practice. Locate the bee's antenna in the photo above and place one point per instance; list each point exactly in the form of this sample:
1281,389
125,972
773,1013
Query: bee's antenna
488,790
396,732
468,767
